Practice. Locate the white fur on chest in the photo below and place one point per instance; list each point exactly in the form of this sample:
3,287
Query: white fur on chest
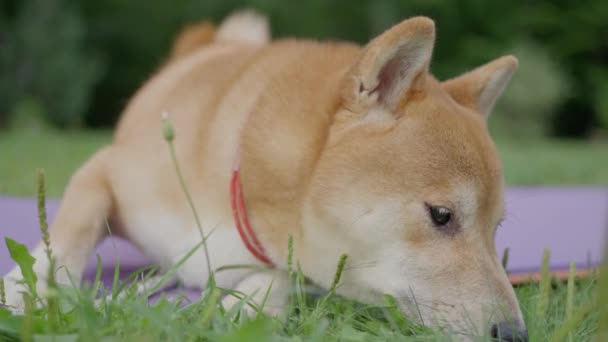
166,238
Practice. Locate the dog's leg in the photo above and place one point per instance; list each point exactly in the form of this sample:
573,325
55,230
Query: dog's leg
257,286
142,286
79,225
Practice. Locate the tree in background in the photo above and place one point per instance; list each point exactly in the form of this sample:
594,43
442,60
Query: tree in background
562,46
43,64
575,34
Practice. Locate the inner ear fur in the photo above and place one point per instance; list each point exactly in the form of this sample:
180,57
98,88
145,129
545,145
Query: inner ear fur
391,63
480,88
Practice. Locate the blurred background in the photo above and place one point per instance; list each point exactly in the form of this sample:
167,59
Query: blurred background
68,67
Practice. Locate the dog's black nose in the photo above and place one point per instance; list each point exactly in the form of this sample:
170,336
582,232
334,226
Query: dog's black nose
509,332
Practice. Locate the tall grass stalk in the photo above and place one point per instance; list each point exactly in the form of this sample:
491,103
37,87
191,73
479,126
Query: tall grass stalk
338,274
51,293
570,295
27,327
543,297
505,258
169,136
544,288
603,298
42,219
290,256
2,292
335,281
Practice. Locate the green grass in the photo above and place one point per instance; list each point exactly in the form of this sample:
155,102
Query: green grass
59,153
73,315
554,162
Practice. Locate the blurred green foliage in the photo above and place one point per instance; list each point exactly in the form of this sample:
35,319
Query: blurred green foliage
560,89
43,63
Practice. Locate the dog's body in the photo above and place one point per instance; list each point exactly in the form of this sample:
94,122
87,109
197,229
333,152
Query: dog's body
348,150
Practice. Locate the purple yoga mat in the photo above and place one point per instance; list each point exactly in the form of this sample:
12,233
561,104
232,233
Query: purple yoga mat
571,222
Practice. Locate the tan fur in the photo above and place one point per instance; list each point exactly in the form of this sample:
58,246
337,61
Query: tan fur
341,147
191,38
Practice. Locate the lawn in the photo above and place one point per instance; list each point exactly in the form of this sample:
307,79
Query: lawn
59,153
332,319
538,162
554,162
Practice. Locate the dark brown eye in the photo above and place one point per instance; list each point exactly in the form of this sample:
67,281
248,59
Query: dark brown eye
440,215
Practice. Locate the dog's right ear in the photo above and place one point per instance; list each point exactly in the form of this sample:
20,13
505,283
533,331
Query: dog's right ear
391,63
480,88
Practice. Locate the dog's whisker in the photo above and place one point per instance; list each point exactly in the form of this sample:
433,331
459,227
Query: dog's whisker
430,303
362,264
358,267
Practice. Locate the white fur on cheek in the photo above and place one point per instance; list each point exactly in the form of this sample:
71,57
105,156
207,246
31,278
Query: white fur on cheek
367,231
465,196
383,219
378,114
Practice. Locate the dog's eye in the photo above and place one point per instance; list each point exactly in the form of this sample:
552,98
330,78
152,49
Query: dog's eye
440,215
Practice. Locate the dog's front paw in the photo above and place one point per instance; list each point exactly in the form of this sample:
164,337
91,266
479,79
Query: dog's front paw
251,308
268,291
14,291
15,288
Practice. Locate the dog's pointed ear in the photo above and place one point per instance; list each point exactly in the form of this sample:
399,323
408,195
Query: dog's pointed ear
480,88
391,63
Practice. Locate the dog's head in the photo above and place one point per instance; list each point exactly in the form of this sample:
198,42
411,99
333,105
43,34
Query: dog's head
410,185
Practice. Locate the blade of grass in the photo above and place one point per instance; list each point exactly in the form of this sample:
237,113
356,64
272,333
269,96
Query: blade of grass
244,299
290,256
603,299
210,307
335,282
544,288
299,282
25,261
256,268
116,276
131,280
394,314
338,274
2,292
42,219
27,329
51,293
265,299
169,136
116,279
97,281
174,269
295,297
505,258
566,327
570,295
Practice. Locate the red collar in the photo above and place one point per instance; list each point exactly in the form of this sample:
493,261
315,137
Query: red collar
240,217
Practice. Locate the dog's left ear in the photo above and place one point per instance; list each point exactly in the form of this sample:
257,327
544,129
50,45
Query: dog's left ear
479,89
391,64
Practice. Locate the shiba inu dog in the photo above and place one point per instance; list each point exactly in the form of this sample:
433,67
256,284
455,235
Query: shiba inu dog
350,150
